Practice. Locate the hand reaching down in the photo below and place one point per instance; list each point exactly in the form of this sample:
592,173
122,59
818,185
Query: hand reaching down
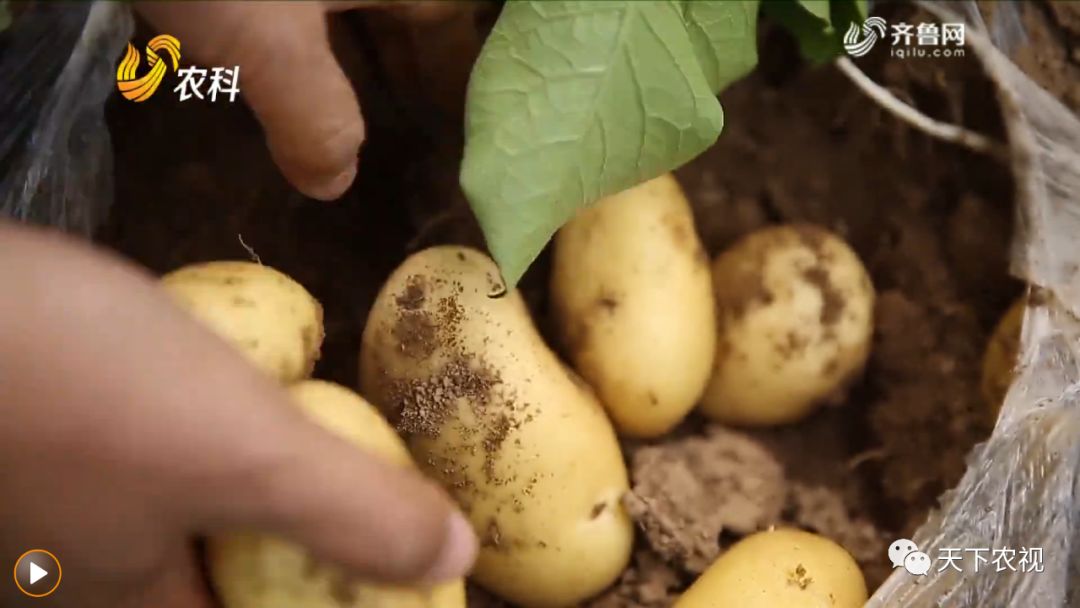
289,76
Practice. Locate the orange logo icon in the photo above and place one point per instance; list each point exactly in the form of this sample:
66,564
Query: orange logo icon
140,88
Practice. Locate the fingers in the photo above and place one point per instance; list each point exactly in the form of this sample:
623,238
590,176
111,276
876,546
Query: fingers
304,101
288,75
382,520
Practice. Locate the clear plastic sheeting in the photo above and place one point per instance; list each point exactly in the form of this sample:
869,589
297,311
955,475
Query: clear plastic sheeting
1005,27
57,69
1020,487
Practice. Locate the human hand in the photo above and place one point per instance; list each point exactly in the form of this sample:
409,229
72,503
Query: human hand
289,76
128,429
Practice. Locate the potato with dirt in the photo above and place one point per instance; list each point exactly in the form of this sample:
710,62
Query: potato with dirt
999,359
783,568
257,571
632,298
486,407
795,312
270,317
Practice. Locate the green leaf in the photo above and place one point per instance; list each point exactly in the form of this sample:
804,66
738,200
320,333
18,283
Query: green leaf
573,101
817,8
724,35
818,26
846,12
817,40
5,15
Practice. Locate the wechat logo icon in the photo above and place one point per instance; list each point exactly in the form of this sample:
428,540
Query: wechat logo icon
903,553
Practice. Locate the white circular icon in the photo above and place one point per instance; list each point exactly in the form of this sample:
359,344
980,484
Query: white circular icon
917,563
899,550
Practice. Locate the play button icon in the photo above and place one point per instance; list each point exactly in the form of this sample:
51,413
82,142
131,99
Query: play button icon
37,573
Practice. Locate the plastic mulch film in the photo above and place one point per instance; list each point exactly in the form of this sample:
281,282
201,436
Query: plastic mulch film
57,69
1019,492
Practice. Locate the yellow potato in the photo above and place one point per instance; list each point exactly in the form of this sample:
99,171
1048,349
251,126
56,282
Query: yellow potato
487,408
256,571
999,359
780,569
632,296
271,318
795,309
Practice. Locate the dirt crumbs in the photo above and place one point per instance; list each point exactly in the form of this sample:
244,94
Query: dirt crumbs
414,295
424,406
414,330
459,393
822,509
686,493
695,496
799,578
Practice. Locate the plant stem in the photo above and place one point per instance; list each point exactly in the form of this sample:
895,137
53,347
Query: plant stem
934,128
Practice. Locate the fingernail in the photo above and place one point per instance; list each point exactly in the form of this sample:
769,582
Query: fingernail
458,551
334,187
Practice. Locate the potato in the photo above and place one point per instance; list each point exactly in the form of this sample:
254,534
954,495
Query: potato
795,309
632,296
779,569
256,571
524,447
271,318
999,359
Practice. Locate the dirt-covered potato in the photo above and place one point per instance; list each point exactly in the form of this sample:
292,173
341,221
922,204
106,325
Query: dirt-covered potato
795,309
999,359
524,447
255,571
270,317
632,296
780,569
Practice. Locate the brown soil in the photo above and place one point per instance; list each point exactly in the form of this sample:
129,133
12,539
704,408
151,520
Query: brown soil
690,491
929,220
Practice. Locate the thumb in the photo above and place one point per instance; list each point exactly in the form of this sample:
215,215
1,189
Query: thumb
384,521
288,76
